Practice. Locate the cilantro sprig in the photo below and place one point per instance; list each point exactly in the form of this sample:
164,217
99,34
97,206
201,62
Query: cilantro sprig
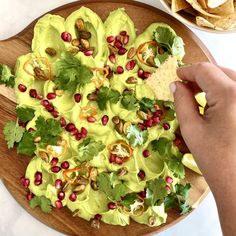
42,202
26,146
25,114
6,77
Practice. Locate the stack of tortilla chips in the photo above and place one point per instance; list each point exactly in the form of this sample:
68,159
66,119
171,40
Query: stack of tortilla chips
215,14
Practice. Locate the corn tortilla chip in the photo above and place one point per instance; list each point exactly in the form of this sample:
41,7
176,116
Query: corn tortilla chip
160,80
225,9
200,21
178,5
215,3
227,22
199,8
191,11
203,3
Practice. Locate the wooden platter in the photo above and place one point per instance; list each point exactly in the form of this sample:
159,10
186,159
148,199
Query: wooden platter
13,166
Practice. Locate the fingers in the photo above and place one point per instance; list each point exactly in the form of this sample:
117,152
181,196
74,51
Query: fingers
230,73
206,75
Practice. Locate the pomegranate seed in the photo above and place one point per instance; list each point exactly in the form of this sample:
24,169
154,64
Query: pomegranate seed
66,36
98,217
38,175
118,160
54,161
84,132
73,197
112,158
78,136
168,188
118,44
62,122
146,74
130,65
111,205
39,97
122,51
118,38
44,102
169,180
146,153
141,126
22,88
126,39
55,114
22,124
112,58
105,120
142,194
155,120
55,169
58,204
29,196
166,126
123,33
61,195
178,141
65,165
70,127
51,96
91,119
88,53
49,107
38,182
141,174
33,93
58,183
158,113
140,73
148,123
108,68
110,39
31,130
74,132
77,97
25,182
119,70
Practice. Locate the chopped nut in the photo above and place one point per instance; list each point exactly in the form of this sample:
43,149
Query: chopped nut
142,115
151,220
116,120
79,188
85,43
131,53
95,224
59,92
73,50
151,61
44,156
37,139
39,74
93,174
75,42
125,127
51,52
119,127
94,185
82,181
92,96
122,171
132,80
79,24
85,35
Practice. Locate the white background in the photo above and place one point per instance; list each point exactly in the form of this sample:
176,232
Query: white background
15,15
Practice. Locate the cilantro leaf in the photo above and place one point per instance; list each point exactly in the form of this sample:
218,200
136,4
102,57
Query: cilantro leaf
42,202
13,133
104,95
176,167
183,190
170,201
118,191
26,145
6,76
89,148
146,104
129,101
70,73
129,199
160,58
49,130
162,145
136,136
25,114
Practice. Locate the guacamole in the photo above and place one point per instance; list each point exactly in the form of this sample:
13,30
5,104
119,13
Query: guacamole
101,143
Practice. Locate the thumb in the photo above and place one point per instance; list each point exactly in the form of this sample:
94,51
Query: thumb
186,108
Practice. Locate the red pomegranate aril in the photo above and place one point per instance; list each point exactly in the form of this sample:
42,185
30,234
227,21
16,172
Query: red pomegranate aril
65,165
30,130
112,58
112,158
126,39
146,153
119,70
168,189
55,114
39,97
49,107
178,141
148,123
77,97
73,197
33,93
54,161
38,182
44,102
155,120
141,126
130,65
169,180
98,217
25,182
91,119
123,33
22,88
38,175
74,132
51,96
58,183
166,126
62,122
122,51
105,120
78,136
111,205
70,127
29,196
118,44
110,39
55,169
141,174
58,204
84,131
157,113
66,36
61,195
142,194
118,38
140,73
146,74
88,53
118,160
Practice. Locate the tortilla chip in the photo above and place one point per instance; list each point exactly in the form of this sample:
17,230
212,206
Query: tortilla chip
178,5
198,7
160,80
227,22
225,9
203,3
215,3
200,21
191,11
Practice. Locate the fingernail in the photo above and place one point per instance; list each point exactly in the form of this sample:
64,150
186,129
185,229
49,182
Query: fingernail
172,87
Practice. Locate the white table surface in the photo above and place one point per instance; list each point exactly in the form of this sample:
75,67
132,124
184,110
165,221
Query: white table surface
15,15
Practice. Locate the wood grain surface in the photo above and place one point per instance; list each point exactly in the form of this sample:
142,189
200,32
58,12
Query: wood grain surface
13,166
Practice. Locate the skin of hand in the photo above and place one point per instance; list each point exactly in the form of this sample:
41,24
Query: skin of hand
211,138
